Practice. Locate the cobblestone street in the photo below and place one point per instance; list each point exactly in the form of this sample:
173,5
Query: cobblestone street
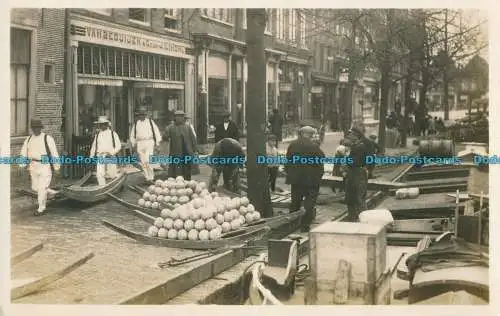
121,267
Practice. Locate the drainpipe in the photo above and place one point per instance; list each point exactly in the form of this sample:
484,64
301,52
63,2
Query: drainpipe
67,104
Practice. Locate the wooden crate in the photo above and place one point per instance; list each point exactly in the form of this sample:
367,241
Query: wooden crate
479,180
360,248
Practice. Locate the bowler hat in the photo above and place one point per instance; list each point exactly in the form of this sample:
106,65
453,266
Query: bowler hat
36,122
141,110
307,129
103,119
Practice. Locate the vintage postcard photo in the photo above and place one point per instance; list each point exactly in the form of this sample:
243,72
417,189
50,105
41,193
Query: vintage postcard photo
249,156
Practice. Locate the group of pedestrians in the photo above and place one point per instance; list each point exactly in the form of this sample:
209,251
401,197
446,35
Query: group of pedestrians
146,137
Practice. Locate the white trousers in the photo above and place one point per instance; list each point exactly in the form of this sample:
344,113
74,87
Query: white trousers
104,171
145,148
41,176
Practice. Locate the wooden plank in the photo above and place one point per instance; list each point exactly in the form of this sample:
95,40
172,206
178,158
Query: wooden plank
171,288
420,225
25,254
341,290
434,182
437,174
35,286
373,184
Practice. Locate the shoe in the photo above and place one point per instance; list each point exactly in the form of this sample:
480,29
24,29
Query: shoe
39,212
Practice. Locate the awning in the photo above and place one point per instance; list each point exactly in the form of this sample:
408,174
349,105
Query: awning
159,85
323,78
100,82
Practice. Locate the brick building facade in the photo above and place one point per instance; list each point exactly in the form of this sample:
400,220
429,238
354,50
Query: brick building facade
110,61
37,72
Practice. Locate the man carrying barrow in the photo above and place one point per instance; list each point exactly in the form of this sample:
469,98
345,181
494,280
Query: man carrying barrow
36,148
106,144
146,136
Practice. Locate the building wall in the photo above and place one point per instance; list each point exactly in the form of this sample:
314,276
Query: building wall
234,33
47,45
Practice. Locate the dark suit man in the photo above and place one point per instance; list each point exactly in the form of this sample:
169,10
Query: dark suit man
304,177
226,129
182,143
357,173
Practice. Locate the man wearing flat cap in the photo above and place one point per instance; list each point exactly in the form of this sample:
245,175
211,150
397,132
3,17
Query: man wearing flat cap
146,136
36,147
226,129
357,173
106,144
182,143
304,176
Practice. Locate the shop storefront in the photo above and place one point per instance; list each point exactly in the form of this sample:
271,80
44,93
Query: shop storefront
292,98
218,88
116,71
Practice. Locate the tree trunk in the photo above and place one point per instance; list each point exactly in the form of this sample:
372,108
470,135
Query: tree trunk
445,69
406,115
421,103
385,82
258,188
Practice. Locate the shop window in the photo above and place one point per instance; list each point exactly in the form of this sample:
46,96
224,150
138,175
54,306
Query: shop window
140,15
217,91
223,15
107,61
171,19
49,73
19,81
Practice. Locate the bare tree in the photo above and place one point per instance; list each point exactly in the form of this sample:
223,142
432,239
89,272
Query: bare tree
258,187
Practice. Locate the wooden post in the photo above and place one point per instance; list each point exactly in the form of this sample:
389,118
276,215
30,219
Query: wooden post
480,218
457,200
258,188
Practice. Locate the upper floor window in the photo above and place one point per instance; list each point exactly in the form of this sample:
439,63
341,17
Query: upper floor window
280,24
302,29
172,19
269,21
292,25
140,15
20,64
224,15
103,11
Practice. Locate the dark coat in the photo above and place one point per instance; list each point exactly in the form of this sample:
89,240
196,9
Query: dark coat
231,132
304,174
276,122
175,134
360,147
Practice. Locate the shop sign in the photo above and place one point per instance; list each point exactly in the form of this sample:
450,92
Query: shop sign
103,35
99,82
317,89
